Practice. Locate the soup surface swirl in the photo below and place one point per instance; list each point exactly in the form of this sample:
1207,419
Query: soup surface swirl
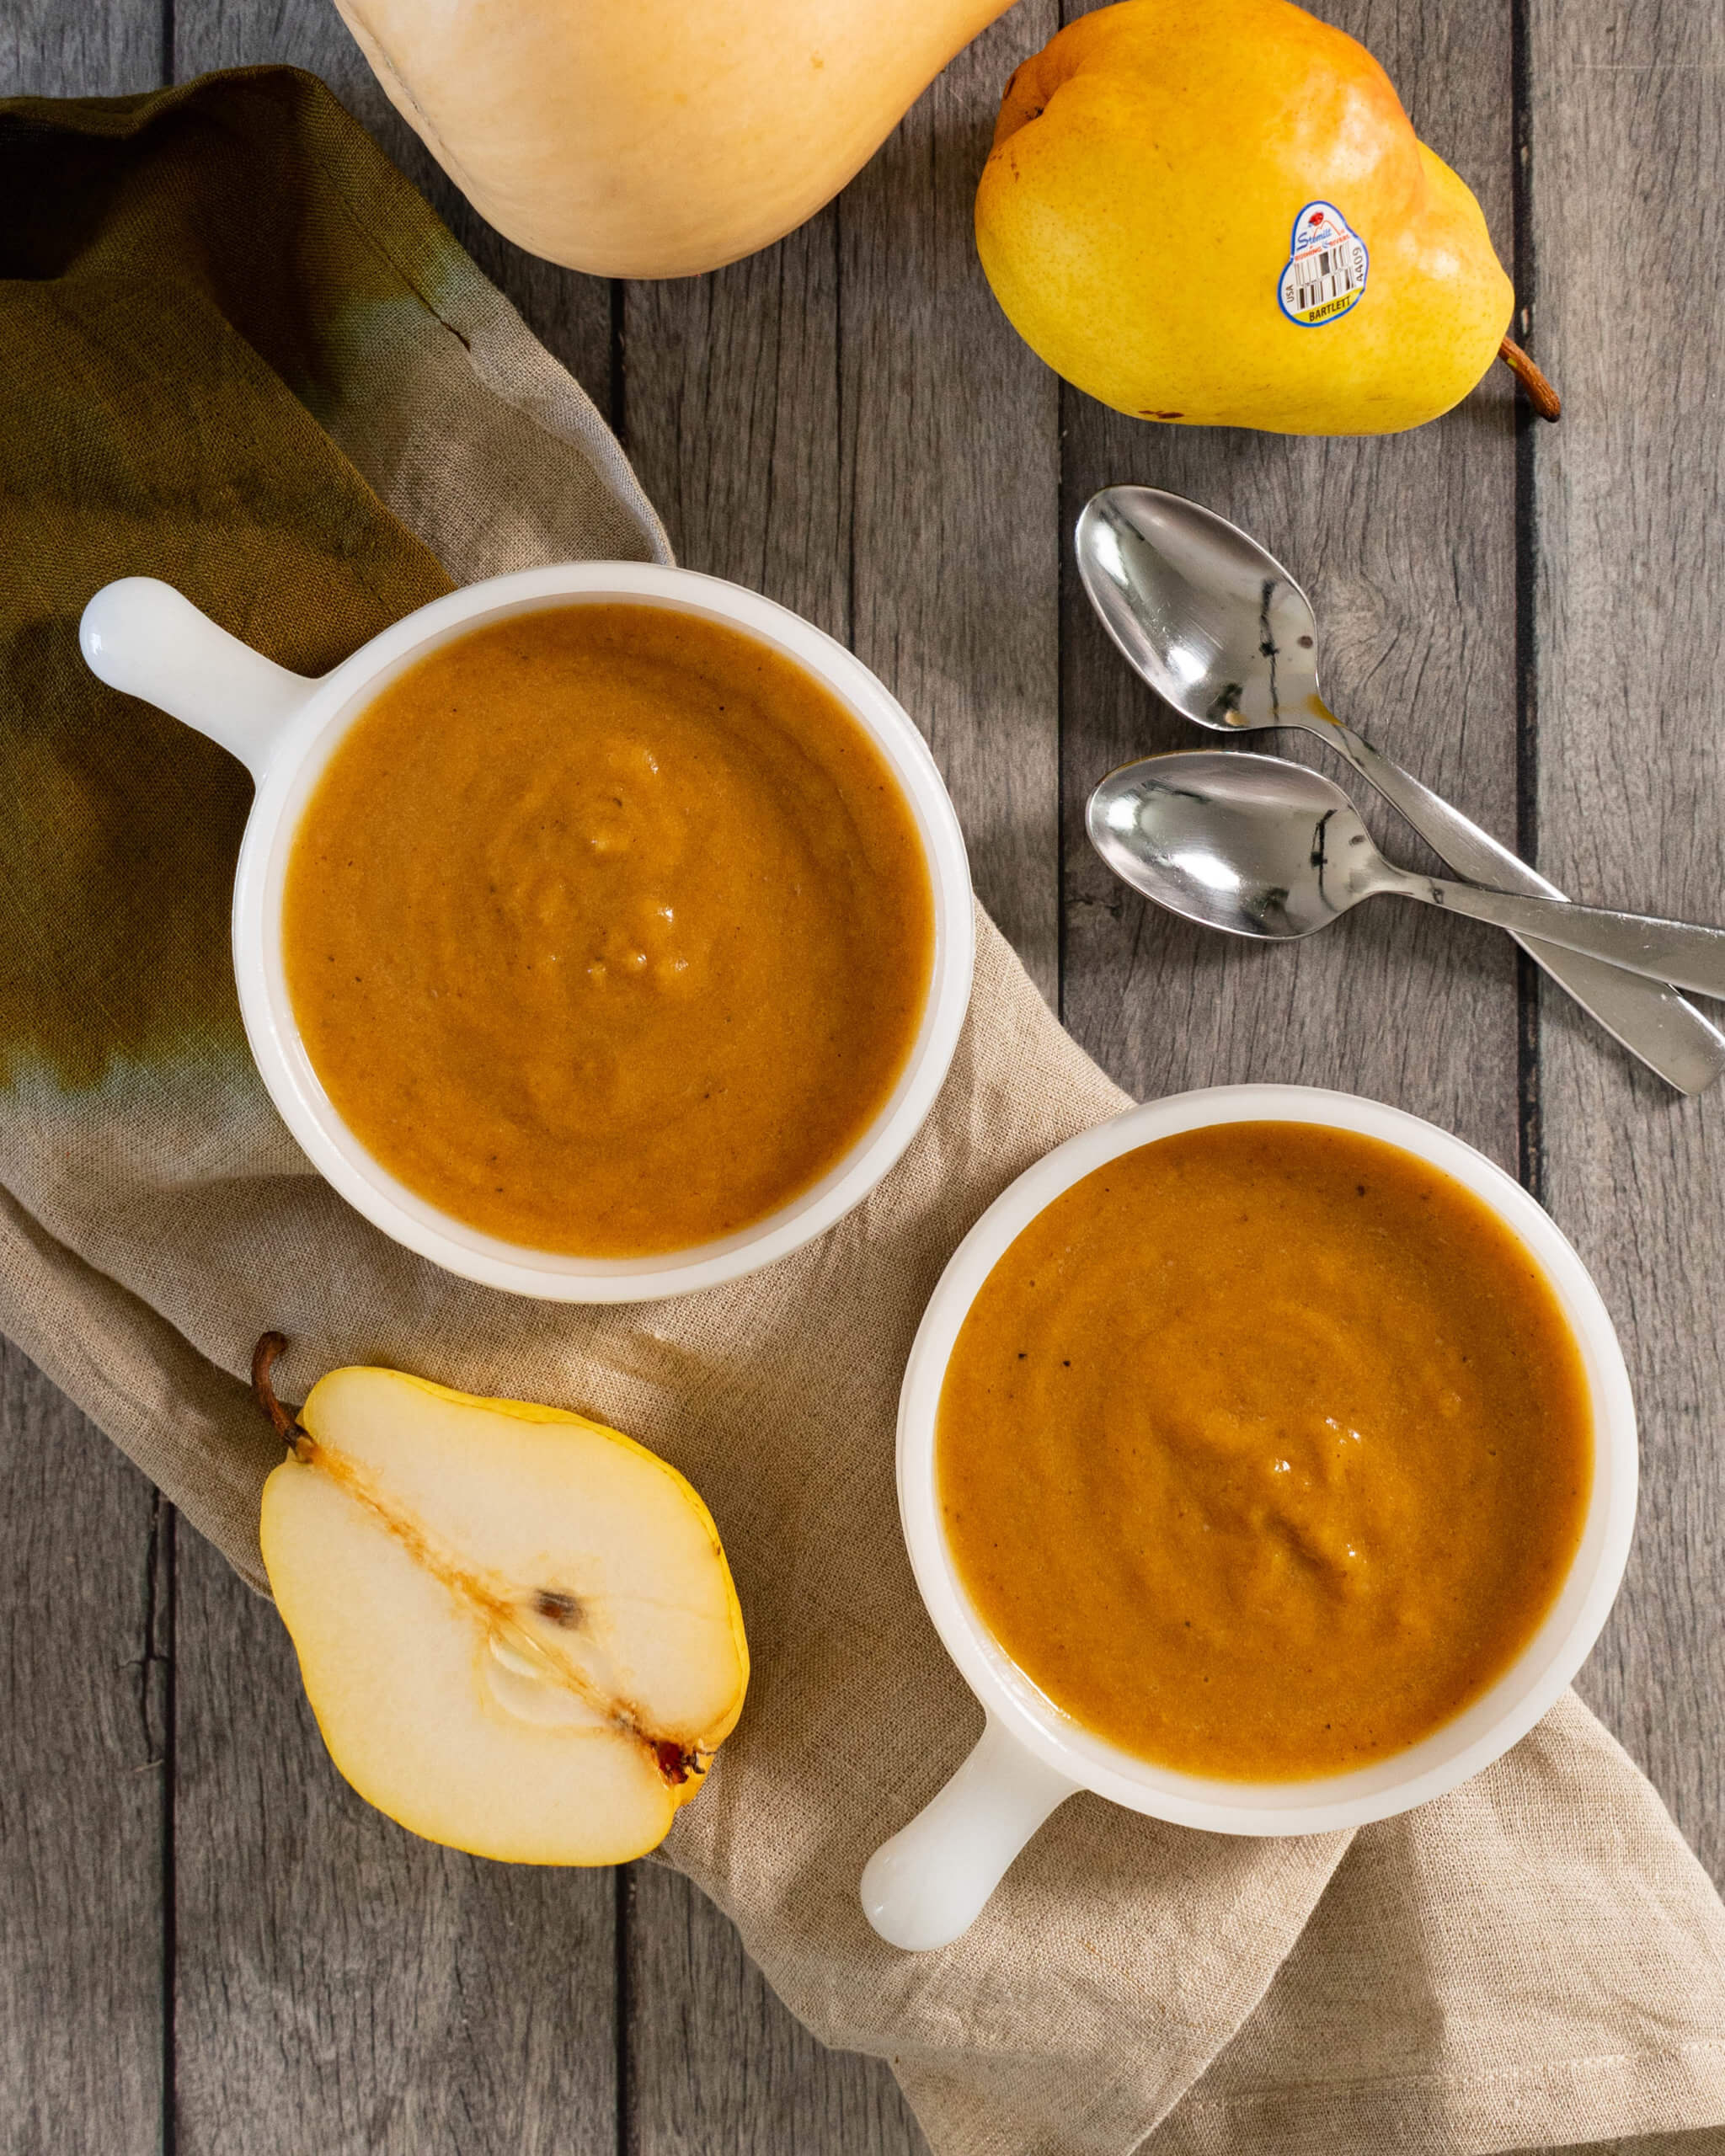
608,929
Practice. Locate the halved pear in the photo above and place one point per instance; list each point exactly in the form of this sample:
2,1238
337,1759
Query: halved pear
517,1628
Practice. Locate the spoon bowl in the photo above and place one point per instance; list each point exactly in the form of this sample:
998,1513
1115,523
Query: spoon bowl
1249,845
1216,626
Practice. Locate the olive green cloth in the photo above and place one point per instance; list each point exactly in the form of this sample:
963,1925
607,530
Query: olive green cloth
237,351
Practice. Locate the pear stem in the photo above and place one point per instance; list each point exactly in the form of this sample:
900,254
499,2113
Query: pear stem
264,1357
1544,399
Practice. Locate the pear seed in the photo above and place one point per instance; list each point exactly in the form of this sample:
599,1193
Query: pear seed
674,1763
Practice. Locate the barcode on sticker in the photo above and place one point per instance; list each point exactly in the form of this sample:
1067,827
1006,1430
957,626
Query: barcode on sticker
1326,276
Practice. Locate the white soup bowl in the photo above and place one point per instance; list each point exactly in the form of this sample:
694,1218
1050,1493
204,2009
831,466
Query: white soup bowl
144,637
929,1884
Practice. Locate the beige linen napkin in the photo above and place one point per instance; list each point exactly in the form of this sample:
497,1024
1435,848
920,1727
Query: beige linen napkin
1535,1959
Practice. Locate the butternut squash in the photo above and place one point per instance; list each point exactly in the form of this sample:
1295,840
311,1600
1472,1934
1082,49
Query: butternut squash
656,138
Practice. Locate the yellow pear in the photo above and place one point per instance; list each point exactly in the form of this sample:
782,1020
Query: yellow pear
515,1627
1220,215
656,138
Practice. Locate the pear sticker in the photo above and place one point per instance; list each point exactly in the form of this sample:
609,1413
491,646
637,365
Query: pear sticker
1324,277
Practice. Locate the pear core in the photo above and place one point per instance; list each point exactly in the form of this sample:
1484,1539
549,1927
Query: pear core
525,1686
515,1627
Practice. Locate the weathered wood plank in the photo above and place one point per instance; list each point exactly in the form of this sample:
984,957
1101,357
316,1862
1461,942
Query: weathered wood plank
1407,545
101,51
1627,127
569,315
85,1587
368,1992
731,411
83,1780
951,440
846,424
340,1985
731,406
717,2063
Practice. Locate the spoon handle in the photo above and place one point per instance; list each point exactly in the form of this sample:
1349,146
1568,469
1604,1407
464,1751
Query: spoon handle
1650,1019
1680,951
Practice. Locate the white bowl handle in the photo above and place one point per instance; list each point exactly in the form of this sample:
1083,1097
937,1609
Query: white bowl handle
144,637
929,1882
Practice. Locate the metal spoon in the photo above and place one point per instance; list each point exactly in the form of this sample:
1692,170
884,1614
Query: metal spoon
1220,629
1259,846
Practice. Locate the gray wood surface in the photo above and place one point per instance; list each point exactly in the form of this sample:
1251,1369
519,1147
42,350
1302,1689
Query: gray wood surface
205,1941
1627,127
338,1984
97,48
84,1780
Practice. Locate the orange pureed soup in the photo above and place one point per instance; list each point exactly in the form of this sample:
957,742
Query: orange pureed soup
1263,1451
608,930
